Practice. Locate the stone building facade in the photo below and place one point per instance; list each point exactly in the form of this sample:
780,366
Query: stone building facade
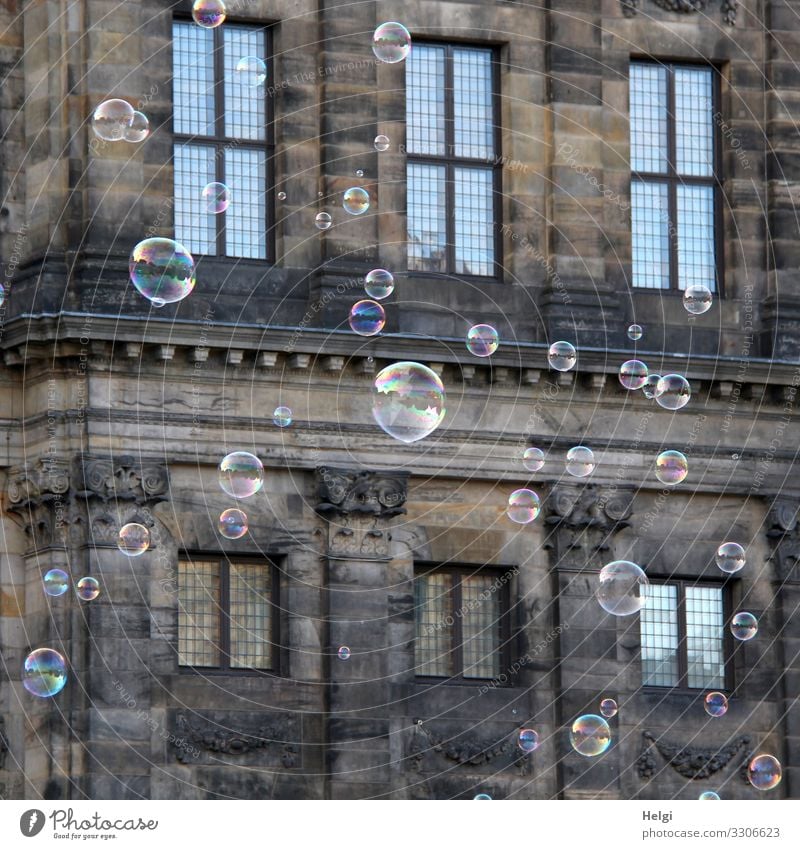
114,412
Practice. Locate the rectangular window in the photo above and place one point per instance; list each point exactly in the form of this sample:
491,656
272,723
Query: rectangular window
673,176
226,614
461,623
222,133
682,629
453,170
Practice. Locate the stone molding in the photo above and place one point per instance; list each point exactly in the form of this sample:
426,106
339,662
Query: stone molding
729,7
693,762
783,533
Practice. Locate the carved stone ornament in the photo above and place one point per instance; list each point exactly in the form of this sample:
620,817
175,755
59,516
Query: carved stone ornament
729,7
604,508
346,492
47,480
121,479
691,762
783,532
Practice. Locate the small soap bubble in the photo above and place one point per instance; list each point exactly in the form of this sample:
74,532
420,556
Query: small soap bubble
44,673
533,459
608,708
162,270
359,173
282,417
391,42
716,704
482,340
635,332
744,626
216,197
2,294
697,299
379,283
241,474
562,356
650,385
138,129
250,72
408,401
633,374
320,195
112,119
673,392
730,557
590,735
709,796
580,461
381,143
528,740
87,589
367,318
482,797
323,220
208,13
56,582
281,195
233,523
764,772
356,201
523,506
671,467
622,588
133,539
344,653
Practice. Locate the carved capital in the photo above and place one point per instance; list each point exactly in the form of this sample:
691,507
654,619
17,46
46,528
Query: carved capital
604,508
693,762
729,7
120,479
44,481
783,533
352,493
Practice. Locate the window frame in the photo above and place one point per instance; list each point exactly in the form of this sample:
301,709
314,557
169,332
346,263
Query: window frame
450,162
224,603
672,179
424,568
219,141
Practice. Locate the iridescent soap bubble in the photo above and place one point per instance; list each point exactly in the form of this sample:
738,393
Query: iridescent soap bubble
622,588
764,772
381,143
356,201
697,299
56,582
650,385
482,340
673,392
379,283
533,459
282,417
138,130
671,467
250,71
241,474
562,356
633,374
635,332
111,119
281,195
87,589
44,673
709,796
716,704
2,294
608,708
523,506
408,401
216,197
730,557
391,42
528,740
590,735
208,13
233,523
744,626
133,539
367,318
323,220
360,172
580,461
162,270
343,653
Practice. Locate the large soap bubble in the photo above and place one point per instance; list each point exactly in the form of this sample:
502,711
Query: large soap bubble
44,673
162,270
408,401
622,589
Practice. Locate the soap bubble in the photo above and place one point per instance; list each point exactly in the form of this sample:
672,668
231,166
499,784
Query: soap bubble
379,283
216,197
562,356
138,129
241,474
356,201
111,119
697,299
381,143
162,270
133,539
250,71
281,195
523,506
367,318
730,557
282,417
580,461
764,772
56,582
2,294
533,459
709,795
391,42
343,653
87,589
650,385
635,332
44,673
673,392
744,626
359,173
482,340
323,220
590,735
622,588
528,740
482,797
208,13
671,467
608,708
233,523
633,374
408,401
716,704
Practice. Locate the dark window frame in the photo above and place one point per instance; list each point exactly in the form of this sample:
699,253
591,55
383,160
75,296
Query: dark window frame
224,646
450,162
672,179
220,142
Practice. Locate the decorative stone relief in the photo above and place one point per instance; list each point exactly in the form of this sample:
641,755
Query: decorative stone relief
691,762
347,493
783,532
120,479
729,7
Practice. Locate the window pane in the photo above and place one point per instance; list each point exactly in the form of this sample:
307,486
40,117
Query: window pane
472,103
425,101
650,235
480,612
696,251
474,221
694,148
198,613
704,631
434,625
245,218
251,616
245,106
193,79
195,228
648,105
658,622
427,223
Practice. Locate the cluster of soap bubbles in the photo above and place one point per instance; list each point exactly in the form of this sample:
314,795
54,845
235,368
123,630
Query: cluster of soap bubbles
116,120
56,582
672,391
